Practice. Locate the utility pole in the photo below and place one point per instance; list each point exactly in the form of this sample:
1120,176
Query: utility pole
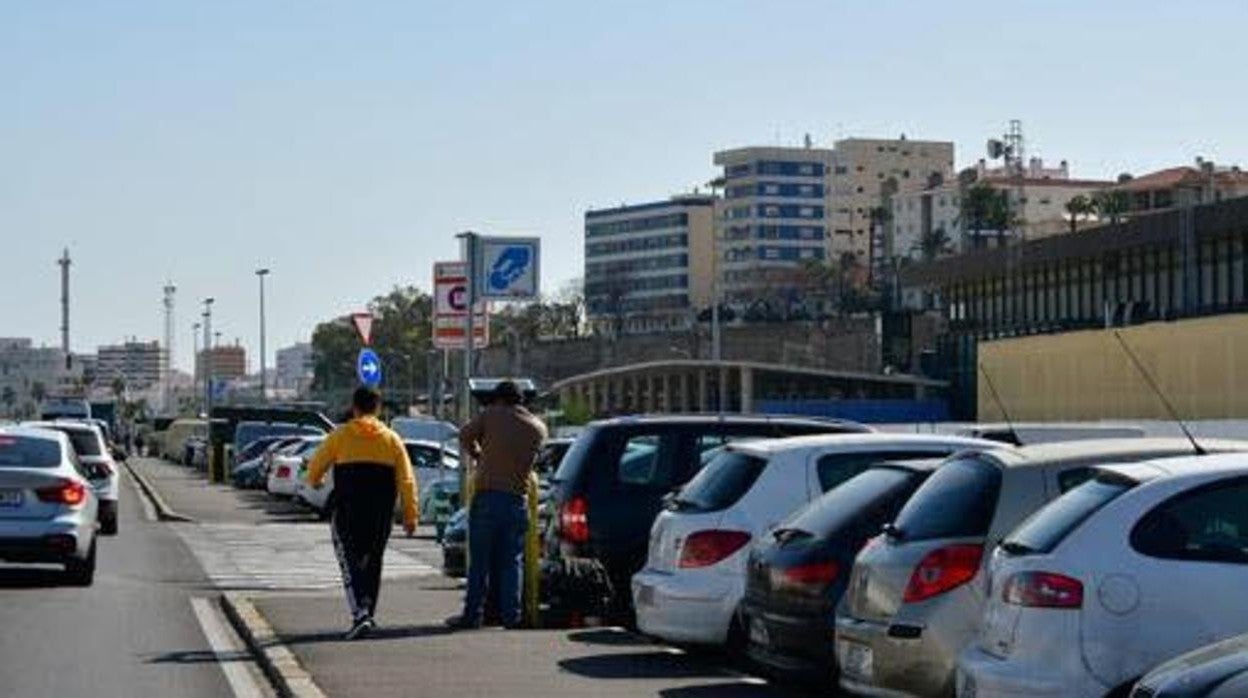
208,356
64,263
166,365
469,248
264,395
199,361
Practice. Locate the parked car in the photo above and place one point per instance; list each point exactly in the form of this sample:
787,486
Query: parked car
49,511
439,496
610,486
691,588
1219,670
455,545
1030,434
427,429
1135,566
173,442
916,595
255,449
796,576
430,463
97,462
284,471
551,455
249,431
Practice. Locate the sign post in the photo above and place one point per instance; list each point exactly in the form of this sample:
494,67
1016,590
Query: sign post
450,305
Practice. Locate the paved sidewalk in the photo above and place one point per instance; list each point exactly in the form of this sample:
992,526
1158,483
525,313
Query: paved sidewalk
413,654
188,492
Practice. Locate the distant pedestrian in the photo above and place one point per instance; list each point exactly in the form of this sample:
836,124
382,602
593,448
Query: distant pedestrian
371,466
504,439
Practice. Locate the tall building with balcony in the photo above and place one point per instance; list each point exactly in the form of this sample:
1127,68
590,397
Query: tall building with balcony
138,364
648,267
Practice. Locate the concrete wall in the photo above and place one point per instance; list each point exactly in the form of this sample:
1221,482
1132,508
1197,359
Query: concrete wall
844,344
1088,375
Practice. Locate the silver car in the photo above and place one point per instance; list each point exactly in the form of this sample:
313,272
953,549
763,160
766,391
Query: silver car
916,594
48,508
97,460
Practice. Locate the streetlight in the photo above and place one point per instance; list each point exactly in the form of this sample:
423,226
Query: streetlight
198,359
264,395
208,355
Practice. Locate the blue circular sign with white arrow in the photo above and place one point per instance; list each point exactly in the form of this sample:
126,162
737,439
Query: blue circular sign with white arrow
368,368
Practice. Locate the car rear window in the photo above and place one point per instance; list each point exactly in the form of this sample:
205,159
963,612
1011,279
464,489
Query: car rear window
721,483
1043,530
85,443
859,495
25,452
957,501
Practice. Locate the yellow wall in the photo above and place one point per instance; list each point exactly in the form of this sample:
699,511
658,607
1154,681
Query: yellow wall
1088,375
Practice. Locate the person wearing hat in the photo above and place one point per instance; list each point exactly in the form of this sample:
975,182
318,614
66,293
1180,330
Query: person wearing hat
504,439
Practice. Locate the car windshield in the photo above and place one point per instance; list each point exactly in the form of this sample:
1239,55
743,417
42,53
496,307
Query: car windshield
1049,526
26,452
721,483
957,501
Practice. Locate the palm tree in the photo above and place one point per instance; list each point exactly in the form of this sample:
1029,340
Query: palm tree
1079,205
933,244
1111,204
984,208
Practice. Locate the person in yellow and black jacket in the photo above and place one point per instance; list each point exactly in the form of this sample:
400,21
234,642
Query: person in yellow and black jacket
371,467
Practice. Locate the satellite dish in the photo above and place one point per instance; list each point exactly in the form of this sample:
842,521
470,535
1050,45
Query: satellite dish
995,148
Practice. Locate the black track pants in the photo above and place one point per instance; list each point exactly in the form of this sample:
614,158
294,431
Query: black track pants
363,514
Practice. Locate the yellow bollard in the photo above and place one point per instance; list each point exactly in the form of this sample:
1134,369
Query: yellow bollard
532,559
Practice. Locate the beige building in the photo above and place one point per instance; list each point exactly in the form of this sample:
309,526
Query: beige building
785,207
228,363
648,267
1045,193
139,364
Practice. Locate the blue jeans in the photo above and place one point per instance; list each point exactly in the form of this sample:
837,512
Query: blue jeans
497,523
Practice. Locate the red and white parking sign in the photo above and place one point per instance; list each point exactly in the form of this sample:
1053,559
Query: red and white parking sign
450,308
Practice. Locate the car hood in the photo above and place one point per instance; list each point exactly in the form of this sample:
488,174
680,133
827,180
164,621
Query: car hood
1200,670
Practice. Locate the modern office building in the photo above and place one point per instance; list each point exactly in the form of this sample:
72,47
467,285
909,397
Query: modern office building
786,207
139,364
648,267
294,367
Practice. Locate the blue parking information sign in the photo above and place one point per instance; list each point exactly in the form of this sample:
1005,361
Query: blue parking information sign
368,368
508,268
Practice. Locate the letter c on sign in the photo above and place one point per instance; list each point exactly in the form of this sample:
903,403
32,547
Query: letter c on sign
456,297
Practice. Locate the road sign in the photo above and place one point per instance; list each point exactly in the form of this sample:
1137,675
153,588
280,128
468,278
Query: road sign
363,325
508,268
450,297
368,367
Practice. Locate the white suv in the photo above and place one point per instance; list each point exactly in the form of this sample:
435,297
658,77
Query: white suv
1142,563
694,579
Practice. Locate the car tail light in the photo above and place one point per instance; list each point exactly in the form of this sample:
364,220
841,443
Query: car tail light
813,577
706,548
943,569
67,492
283,472
574,520
1043,590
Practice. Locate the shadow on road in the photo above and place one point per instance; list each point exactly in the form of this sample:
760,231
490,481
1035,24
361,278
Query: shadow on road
200,657
641,665
725,690
30,578
381,634
609,636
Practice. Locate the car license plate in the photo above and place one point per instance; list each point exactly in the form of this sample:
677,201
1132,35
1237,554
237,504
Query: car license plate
856,660
10,498
758,633
645,595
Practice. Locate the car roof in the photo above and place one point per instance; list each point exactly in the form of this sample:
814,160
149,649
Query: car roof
926,465
64,425
426,443
1182,467
1090,450
713,418
767,447
32,432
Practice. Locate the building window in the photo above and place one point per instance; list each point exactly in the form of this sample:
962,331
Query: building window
840,170
860,190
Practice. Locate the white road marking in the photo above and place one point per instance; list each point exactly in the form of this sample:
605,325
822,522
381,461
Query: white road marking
227,651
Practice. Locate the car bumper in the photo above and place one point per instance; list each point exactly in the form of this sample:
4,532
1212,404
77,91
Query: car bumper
54,541
283,488
693,607
799,646
983,674
920,666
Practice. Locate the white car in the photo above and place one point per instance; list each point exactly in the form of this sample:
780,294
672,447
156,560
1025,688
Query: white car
93,453
49,511
287,463
692,585
1143,563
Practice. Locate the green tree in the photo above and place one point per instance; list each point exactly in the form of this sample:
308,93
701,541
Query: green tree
1079,206
934,244
985,208
1111,204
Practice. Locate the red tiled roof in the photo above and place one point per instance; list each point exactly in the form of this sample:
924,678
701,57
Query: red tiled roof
1181,175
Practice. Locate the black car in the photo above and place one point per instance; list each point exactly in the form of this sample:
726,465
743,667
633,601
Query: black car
1219,670
455,545
610,486
795,579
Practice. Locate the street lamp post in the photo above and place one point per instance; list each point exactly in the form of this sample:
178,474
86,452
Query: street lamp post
208,356
264,394
198,359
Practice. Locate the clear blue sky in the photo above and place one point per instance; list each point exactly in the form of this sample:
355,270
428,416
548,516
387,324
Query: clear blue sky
343,144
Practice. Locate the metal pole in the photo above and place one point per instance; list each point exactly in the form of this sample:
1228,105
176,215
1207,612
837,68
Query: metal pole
196,358
208,356
470,264
264,394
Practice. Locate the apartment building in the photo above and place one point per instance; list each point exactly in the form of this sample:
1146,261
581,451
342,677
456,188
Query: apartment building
648,267
139,364
228,362
28,373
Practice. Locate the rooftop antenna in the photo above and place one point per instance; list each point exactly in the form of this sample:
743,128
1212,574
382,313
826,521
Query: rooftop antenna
996,397
1148,378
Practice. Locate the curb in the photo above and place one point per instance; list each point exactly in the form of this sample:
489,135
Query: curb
163,511
279,664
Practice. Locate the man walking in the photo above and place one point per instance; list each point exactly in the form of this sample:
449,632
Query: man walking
504,439
370,466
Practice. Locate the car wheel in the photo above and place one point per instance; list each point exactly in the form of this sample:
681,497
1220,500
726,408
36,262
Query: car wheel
81,573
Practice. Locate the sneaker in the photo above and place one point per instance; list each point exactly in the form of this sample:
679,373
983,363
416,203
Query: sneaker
462,623
361,629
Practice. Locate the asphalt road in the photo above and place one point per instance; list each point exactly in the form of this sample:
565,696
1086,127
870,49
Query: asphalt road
141,630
